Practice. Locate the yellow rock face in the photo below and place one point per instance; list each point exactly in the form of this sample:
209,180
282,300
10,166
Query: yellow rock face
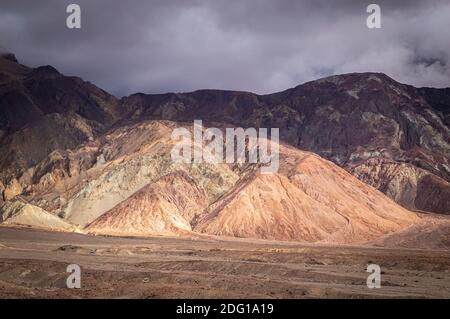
18,213
12,190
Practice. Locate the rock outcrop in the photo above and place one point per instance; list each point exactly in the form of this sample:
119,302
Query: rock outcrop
42,110
408,185
12,189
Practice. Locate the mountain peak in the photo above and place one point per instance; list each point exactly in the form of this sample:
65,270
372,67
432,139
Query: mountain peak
355,77
46,70
8,56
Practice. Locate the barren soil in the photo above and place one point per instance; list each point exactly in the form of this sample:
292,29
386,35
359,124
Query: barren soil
33,265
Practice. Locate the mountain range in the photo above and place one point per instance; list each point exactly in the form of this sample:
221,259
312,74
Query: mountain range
362,158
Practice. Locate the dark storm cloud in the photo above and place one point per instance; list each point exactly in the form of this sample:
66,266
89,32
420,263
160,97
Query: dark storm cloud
261,46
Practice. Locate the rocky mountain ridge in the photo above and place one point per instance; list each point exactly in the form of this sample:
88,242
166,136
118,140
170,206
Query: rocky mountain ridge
102,165
355,120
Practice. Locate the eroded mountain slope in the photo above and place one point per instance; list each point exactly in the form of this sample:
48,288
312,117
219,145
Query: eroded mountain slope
165,207
349,119
41,111
110,186
309,199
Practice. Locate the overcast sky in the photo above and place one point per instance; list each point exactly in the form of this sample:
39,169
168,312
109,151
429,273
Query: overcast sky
261,46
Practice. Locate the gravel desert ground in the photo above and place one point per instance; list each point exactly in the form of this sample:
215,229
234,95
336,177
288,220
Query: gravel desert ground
33,265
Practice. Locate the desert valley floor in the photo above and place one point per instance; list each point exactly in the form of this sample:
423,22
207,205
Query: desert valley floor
33,265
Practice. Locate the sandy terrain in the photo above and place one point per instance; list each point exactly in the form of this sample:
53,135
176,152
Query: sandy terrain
33,264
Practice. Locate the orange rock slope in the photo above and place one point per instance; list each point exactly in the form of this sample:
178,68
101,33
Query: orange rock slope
310,199
165,207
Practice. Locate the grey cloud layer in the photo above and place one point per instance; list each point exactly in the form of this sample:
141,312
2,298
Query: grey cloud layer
261,46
